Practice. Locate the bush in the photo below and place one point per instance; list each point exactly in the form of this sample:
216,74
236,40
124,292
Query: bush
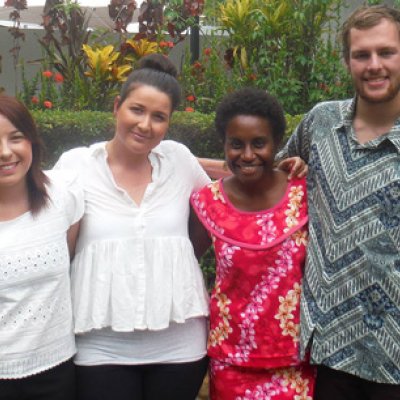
64,130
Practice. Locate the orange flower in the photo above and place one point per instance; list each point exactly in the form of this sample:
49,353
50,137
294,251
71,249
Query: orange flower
58,78
189,109
48,104
163,44
207,51
191,97
47,74
35,100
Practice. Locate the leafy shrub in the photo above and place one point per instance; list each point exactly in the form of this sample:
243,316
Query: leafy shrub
64,130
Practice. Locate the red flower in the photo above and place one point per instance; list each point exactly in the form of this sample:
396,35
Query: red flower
35,100
207,51
189,109
191,97
197,64
47,74
170,44
58,78
324,87
48,104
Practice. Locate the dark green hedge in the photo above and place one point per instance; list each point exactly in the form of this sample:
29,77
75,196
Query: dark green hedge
65,130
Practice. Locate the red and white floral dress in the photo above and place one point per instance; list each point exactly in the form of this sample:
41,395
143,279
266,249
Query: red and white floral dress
254,317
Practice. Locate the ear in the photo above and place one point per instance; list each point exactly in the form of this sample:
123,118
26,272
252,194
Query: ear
116,104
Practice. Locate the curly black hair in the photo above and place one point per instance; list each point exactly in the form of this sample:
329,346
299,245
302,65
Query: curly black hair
251,101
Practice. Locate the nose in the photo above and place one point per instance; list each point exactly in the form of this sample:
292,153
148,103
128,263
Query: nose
374,62
144,123
248,153
5,150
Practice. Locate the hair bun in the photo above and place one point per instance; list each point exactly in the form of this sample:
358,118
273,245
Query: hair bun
158,62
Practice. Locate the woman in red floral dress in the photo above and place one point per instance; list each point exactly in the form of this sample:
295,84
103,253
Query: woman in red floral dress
257,221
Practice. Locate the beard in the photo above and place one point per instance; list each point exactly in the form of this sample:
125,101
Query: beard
386,97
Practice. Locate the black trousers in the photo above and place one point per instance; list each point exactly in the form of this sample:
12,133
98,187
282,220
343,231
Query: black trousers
337,385
57,383
141,382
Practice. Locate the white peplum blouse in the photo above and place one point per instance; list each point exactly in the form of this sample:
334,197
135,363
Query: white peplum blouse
135,266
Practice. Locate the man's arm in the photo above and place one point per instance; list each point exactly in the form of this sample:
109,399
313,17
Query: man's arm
298,144
295,155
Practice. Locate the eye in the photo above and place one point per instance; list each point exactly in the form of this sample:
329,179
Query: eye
136,110
387,53
259,143
17,137
360,56
235,144
160,117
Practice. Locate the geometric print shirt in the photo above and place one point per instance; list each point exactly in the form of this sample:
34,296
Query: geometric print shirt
350,305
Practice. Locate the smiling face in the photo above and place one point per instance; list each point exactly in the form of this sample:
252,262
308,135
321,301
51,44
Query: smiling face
374,62
249,148
142,120
15,155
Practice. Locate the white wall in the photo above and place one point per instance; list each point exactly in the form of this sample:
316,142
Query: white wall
10,77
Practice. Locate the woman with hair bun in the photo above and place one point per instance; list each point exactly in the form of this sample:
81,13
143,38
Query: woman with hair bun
39,217
139,300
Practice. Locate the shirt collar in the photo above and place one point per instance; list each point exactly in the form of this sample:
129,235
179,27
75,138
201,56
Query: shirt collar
347,112
348,109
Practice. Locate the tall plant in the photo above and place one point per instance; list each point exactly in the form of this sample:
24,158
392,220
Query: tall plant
16,32
288,45
66,31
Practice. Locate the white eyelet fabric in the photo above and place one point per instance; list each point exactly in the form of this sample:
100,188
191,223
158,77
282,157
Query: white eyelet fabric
36,331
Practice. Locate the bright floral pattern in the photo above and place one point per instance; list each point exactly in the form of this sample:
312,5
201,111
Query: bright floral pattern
233,383
222,331
254,316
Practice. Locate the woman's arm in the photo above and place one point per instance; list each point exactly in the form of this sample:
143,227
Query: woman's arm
72,235
198,235
214,168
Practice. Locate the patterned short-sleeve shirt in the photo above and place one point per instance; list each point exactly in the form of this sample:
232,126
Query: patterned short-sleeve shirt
351,290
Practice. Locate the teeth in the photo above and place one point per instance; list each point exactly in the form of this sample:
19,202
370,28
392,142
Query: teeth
7,167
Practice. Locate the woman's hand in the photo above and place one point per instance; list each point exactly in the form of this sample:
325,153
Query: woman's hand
295,166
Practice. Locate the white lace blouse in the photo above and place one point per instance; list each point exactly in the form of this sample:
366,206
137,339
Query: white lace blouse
36,330
134,266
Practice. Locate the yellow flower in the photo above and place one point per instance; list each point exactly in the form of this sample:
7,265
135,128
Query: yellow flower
102,63
142,47
119,72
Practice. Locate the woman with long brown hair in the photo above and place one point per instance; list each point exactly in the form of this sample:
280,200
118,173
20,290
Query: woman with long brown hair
39,214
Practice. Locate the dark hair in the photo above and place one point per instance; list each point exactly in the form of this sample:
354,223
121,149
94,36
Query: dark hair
251,101
20,117
154,70
366,17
